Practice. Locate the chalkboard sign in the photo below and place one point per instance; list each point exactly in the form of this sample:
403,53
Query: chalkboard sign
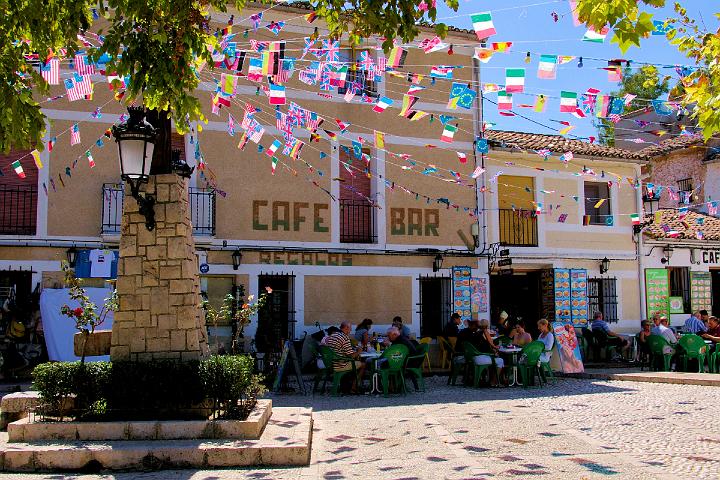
288,354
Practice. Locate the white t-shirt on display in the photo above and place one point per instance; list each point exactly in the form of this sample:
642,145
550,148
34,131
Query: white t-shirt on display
101,263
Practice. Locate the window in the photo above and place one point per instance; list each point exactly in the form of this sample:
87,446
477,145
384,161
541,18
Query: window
597,204
435,305
215,289
680,285
685,185
357,213
364,80
602,297
516,214
18,196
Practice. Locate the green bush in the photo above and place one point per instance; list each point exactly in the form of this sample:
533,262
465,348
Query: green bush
153,390
230,382
71,388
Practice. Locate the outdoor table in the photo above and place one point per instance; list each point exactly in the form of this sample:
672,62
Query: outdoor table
374,382
511,352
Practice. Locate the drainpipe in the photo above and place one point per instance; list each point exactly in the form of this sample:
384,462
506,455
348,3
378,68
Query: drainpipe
640,250
479,133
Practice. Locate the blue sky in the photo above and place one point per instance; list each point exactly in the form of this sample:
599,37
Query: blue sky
530,26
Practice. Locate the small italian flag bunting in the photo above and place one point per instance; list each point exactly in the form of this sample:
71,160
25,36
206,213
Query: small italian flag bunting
483,25
505,101
596,37
514,80
36,156
18,168
635,218
91,160
448,133
274,164
568,101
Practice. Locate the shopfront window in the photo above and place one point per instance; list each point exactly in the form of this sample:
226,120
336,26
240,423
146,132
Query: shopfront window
680,284
214,290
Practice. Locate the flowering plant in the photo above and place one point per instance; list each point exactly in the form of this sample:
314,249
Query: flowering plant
238,314
86,316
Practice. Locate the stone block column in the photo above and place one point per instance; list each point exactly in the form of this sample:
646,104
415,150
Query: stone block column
158,281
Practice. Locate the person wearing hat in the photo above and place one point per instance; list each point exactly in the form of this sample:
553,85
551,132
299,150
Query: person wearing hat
503,325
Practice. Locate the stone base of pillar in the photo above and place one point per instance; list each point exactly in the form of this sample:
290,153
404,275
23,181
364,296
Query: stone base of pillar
158,283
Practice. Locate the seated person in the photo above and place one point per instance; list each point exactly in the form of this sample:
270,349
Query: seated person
362,331
613,338
471,335
547,338
713,332
452,328
643,347
339,342
694,324
394,337
487,346
518,334
404,329
503,325
661,328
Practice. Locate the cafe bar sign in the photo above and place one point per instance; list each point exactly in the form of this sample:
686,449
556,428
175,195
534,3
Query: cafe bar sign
711,257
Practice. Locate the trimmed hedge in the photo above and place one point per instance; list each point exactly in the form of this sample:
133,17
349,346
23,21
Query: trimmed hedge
224,386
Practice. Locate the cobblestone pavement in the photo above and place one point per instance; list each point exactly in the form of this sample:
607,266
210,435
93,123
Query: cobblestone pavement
577,429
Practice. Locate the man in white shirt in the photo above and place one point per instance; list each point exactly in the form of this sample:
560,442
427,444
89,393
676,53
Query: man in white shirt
661,328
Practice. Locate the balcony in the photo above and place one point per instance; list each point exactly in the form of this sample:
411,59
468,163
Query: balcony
18,209
202,210
357,221
518,228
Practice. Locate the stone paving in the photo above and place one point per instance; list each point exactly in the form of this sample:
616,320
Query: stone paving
577,429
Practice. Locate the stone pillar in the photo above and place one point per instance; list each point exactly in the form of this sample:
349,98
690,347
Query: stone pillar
158,282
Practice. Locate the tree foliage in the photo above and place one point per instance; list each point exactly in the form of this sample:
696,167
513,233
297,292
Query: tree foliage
702,46
162,44
646,83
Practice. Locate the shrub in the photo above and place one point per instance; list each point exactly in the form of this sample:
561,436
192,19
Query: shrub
153,390
232,385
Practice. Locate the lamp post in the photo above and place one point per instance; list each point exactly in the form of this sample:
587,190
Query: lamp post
236,258
136,143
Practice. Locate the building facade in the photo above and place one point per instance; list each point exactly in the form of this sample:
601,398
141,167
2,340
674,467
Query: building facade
350,229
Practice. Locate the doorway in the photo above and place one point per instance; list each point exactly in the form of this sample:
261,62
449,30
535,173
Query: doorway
435,305
715,276
518,295
276,319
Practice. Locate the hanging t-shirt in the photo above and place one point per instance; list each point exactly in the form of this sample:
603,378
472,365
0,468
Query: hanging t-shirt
101,263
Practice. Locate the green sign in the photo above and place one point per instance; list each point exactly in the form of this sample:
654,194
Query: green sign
657,292
701,291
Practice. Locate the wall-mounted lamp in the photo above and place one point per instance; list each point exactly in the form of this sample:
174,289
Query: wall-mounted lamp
437,263
236,258
604,266
667,252
71,254
475,232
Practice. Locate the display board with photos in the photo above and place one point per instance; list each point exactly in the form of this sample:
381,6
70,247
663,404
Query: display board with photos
462,292
657,292
701,291
479,297
571,299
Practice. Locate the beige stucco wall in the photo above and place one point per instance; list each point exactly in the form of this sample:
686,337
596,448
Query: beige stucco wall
330,300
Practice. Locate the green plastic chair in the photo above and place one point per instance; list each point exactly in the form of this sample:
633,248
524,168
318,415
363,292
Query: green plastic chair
714,360
456,367
470,353
601,344
657,344
503,340
329,357
417,372
530,367
392,369
693,347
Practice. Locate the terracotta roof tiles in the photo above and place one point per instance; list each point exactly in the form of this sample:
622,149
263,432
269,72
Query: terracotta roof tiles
686,227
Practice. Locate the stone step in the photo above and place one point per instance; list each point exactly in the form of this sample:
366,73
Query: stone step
286,441
25,430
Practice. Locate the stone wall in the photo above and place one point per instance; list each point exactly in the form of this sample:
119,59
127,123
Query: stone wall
670,169
158,282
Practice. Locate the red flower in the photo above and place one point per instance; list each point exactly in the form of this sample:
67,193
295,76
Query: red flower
78,312
268,289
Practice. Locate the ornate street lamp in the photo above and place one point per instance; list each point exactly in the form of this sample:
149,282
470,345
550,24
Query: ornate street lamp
236,258
604,265
437,263
136,143
71,254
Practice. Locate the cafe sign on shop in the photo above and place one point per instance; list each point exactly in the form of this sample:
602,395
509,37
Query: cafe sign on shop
711,257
